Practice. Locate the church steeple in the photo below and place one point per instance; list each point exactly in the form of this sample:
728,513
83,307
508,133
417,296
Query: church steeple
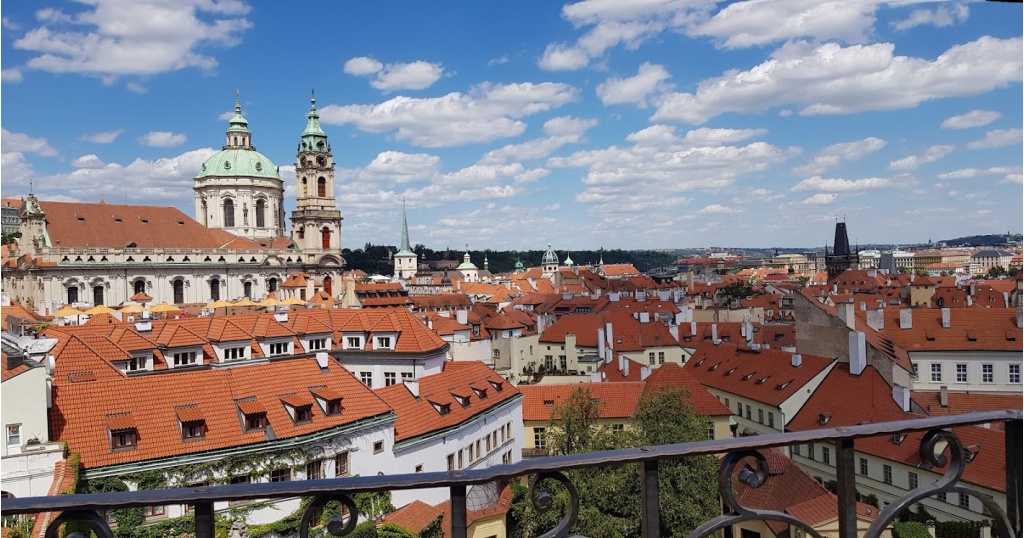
316,221
314,138
404,249
405,258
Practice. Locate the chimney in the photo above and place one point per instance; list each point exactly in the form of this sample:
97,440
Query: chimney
613,296
714,331
673,329
901,395
625,368
622,361
906,318
1006,299
664,295
863,305
281,316
876,318
912,277
566,295
693,328
645,317
750,331
462,316
321,359
743,330
972,289
645,372
641,296
872,273
144,323
600,342
845,312
970,300
686,312
797,359
945,318
944,396
413,385
689,281
858,353
609,335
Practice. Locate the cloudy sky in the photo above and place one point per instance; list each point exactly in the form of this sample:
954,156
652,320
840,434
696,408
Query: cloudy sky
600,123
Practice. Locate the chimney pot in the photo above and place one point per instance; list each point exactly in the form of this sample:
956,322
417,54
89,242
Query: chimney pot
906,318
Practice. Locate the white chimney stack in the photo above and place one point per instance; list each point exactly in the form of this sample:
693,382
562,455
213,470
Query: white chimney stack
645,372
462,316
945,317
901,395
714,331
906,318
846,313
609,335
798,359
876,318
641,296
413,385
1020,316
858,353
600,342
645,317
625,368
281,316
693,328
944,396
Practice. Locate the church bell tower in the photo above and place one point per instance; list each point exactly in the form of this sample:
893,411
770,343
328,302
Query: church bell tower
316,221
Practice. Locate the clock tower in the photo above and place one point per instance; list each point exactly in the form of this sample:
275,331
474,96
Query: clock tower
316,221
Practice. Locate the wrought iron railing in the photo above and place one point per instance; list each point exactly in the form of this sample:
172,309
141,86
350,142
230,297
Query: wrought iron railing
85,508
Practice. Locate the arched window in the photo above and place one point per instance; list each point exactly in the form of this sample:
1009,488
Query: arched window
97,295
261,209
215,289
179,291
247,289
325,238
272,284
328,285
301,232
234,140
72,294
229,213
140,286
321,187
305,188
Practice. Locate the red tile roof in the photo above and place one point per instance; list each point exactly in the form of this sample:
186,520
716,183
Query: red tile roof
615,400
989,329
765,375
417,416
671,375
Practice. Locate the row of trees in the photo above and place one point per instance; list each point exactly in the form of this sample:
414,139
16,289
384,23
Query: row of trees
609,497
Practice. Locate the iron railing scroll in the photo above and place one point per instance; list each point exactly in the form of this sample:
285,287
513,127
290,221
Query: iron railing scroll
742,462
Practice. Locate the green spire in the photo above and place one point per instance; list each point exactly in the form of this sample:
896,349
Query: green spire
404,249
314,138
237,122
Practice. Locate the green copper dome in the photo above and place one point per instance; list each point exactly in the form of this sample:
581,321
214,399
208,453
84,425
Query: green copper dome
549,257
236,162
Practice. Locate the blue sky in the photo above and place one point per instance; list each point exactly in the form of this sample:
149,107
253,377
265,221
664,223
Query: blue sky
601,123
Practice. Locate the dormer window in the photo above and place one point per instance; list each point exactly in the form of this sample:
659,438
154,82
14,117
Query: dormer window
443,409
463,400
255,422
126,439
480,393
383,342
353,342
304,413
279,348
549,403
497,385
185,358
333,407
328,400
235,353
317,344
193,430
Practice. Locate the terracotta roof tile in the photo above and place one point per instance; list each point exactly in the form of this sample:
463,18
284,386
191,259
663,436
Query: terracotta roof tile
615,400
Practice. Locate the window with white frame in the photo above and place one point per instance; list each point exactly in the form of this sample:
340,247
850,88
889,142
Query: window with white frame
887,474
13,434
366,378
911,480
317,344
961,373
383,342
390,378
937,372
279,348
915,367
1014,371
826,455
864,466
353,342
771,419
232,353
186,358
964,501
406,376
987,375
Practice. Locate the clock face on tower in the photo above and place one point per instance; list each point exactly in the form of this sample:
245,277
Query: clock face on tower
321,160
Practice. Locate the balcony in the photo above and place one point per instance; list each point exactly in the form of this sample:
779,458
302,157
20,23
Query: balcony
940,447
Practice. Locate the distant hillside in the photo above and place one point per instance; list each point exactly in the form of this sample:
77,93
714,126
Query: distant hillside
984,240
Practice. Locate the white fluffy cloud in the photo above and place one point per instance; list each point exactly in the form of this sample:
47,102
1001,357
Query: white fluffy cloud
759,22
23,143
11,75
162,139
823,198
833,155
396,76
997,138
832,79
718,208
561,130
115,38
974,118
488,112
1010,174
939,17
104,137
649,79
715,137
930,155
87,161
818,183
400,167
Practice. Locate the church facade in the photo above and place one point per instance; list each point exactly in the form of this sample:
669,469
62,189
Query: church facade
96,253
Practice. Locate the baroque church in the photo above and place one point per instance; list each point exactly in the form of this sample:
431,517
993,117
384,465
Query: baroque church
105,254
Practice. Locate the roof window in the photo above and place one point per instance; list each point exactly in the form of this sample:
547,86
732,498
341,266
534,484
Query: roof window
442,409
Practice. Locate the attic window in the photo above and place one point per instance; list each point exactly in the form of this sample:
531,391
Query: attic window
126,439
443,409
714,367
898,438
193,430
748,376
117,220
972,336
81,219
971,452
549,403
781,386
763,379
463,400
145,221
497,385
700,362
255,421
181,222
823,419
730,372
480,393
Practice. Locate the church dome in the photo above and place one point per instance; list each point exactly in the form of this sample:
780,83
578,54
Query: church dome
466,264
550,258
236,162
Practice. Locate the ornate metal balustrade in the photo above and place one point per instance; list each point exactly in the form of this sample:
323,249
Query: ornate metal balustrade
940,447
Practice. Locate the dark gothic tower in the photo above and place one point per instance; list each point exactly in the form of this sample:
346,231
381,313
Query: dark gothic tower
842,258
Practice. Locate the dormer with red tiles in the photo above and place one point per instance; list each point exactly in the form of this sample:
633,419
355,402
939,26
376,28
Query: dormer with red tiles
298,406
124,434
192,422
328,400
252,414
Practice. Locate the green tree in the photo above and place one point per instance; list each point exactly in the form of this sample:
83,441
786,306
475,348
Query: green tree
390,530
573,422
737,290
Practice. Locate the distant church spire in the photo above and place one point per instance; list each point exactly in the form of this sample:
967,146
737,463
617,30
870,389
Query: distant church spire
404,249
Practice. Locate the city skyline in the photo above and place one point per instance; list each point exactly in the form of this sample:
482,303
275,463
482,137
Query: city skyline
586,125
